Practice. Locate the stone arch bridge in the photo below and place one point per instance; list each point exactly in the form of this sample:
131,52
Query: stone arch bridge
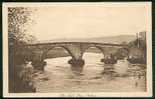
75,49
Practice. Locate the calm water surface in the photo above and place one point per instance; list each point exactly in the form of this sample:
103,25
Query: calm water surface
96,76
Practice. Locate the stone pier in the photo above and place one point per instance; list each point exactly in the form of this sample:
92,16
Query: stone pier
76,65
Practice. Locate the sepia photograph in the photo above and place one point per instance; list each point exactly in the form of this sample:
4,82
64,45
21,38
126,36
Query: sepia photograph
101,49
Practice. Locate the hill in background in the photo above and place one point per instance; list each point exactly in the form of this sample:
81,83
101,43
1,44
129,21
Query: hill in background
109,39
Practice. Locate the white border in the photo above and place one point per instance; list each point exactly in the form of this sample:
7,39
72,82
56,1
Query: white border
77,94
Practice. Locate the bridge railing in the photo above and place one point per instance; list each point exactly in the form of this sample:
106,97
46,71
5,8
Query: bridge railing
95,43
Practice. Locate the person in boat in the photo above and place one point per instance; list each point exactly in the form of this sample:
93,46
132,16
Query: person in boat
110,59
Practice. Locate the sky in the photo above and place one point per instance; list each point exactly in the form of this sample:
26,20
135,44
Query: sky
90,20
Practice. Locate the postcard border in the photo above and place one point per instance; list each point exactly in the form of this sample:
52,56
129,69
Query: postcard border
98,94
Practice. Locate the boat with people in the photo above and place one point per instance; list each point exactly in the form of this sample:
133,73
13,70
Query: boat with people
109,60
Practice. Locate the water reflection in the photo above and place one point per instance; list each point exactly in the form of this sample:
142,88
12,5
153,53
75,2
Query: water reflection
77,70
93,76
121,67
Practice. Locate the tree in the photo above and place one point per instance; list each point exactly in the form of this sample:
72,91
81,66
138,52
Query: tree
139,44
18,18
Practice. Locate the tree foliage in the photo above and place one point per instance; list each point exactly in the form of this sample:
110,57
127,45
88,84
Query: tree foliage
18,18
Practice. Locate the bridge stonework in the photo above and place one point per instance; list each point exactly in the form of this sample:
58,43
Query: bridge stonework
75,49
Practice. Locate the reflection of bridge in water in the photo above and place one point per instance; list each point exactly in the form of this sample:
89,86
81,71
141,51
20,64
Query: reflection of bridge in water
74,49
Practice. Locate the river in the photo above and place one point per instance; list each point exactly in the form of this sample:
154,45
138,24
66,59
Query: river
95,77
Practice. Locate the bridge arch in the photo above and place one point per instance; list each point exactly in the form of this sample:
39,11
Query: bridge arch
63,47
96,47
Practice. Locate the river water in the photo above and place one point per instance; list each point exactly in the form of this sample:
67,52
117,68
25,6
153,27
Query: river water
95,77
